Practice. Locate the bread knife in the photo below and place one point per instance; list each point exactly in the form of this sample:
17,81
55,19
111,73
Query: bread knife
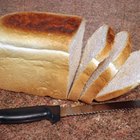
54,113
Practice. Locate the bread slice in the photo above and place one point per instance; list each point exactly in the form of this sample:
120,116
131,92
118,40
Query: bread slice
46,31
98,46
101,76
126,79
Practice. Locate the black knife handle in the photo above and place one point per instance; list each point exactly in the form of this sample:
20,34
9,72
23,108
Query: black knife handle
29,114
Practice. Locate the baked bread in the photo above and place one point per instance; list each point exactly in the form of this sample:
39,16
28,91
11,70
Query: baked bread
98,46
101,76
97,49
126,79
42,37
42,54
34,71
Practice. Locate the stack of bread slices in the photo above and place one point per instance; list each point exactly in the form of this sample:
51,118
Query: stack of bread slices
43,54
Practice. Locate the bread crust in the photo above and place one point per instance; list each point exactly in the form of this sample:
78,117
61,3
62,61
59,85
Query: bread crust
115,94
108,46
39,22
33,77
34,71
124,54
41,30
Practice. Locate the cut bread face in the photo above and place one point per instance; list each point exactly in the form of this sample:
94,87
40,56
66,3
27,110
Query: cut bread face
126,79
107,69
46,31
97,49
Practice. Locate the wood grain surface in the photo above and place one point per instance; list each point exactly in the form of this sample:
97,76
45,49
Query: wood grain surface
123,125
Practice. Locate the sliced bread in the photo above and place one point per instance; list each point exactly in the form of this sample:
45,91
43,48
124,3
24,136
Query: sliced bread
126,79
99,78
97,48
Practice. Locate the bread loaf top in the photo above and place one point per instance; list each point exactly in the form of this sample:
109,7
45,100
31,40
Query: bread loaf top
42,23
46,30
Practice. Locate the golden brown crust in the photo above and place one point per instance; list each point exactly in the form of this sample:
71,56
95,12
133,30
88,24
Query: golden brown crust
123,55
33,77
109,41
97,85
114,94
42,23
40,30
34,71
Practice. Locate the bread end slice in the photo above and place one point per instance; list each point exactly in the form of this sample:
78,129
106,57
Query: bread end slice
126,79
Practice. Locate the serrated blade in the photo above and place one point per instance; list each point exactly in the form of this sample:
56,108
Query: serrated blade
95,108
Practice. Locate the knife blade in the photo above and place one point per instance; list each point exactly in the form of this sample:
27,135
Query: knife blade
54,113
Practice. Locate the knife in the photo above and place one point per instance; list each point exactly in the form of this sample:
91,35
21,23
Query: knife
54,113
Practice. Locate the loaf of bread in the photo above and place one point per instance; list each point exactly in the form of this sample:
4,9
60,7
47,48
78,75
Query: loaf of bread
45,31
43,54
40,52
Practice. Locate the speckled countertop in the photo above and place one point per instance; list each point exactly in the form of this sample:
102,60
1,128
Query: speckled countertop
123,125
